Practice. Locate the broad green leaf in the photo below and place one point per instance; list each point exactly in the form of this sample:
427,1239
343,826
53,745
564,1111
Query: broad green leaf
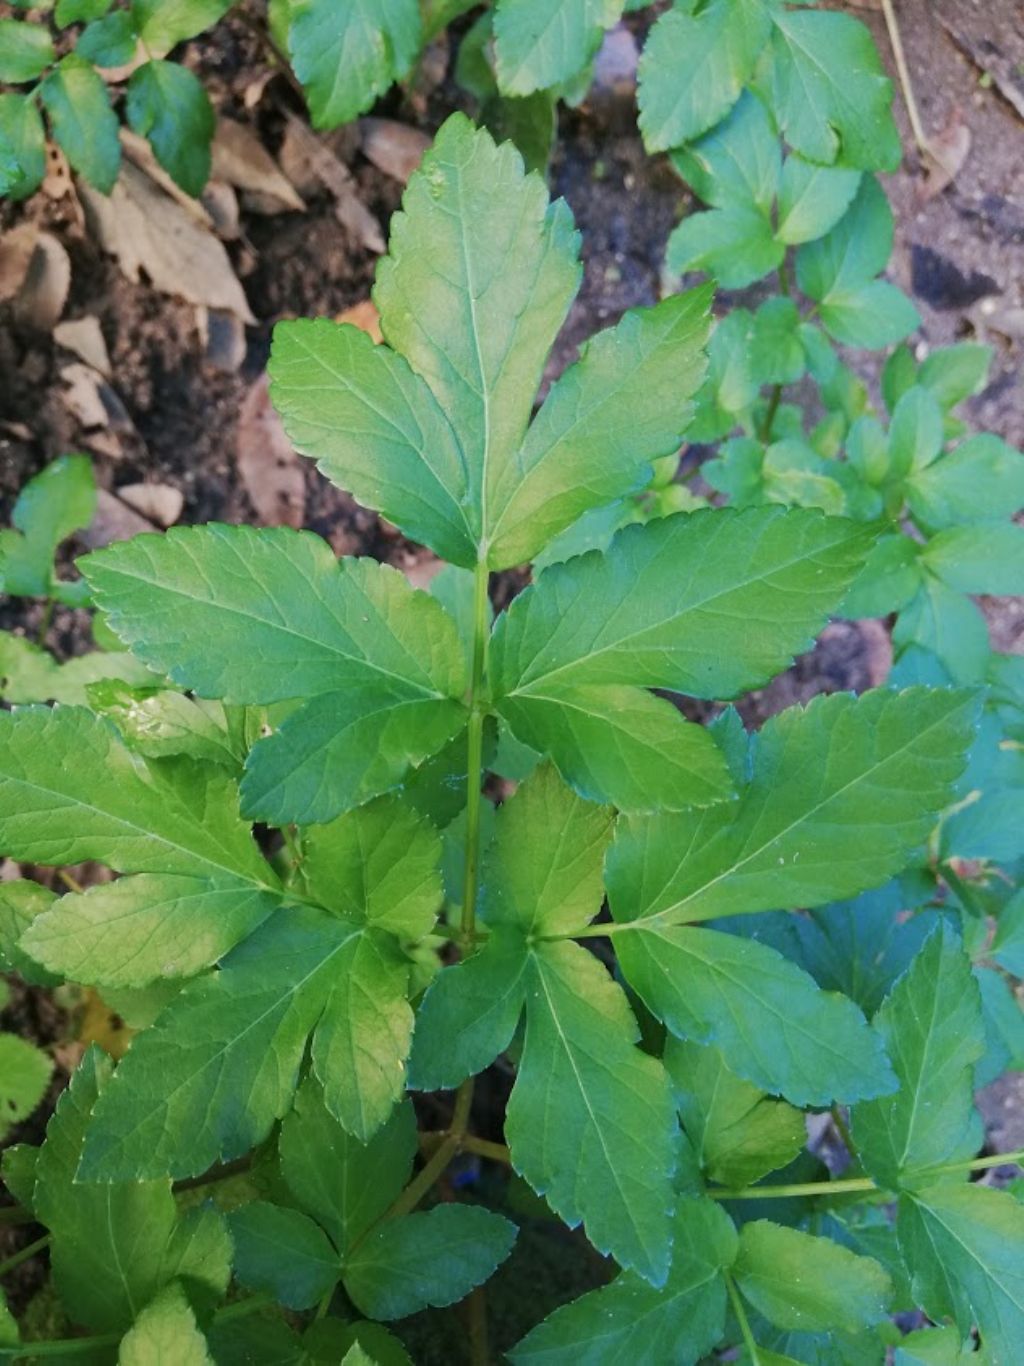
829,91
631,1321
21,128
109,42
167,104
738,1133
116,1246
954,373
435,1258
1003,1021
162,24
473,297
76,99
734,244
381,1347
70,791
380,864
365,1032
621,745
26,50
915,433
737,163
694,67
806,1283
375,429
159,722
20,902
932,1027
624,404
871,316
540,45
208,1080
1007,947
981,480
283,1252
854,252
590,1121
77,11
57,502
772,1023
165,1331
344,1184
776,349
987,558
962,1244
806,830
709,603
25,1073
889,580
31,674
950,626
543,872
933,1347
730,387
348,56
812,199
469,1013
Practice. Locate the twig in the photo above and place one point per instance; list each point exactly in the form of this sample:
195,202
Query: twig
917,127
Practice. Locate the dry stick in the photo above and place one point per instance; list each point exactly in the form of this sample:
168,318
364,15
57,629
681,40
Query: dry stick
902,70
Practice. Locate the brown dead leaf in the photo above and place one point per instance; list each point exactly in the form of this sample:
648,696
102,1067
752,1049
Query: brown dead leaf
350,210
101,1025
16,249
43,293
271,471
84,338
140,153
159,503
240,159
112,521
221,204
363,315
394,148
148,232
57,181
945,156
82,395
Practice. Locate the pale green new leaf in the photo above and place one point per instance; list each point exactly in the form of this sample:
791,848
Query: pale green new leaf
772,1023
812,199
590,1121
872,316
31,674
25,1073
164,23
346,56
985,558
631,1321
840,792
809,1284
739,162
284,1253
472,296
435,1258
932,1027
208,1080
20,902
539,45
962,1244
981,480
75,97
735,244
165,1334
916,432
738,1133
694,67
829,90
116,1246
343,1184
26,50
159,722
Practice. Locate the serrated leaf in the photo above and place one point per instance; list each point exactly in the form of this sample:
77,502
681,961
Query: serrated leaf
344,1184
739,162
854,252
109,42
801,1282
21,127
162,24
812,199
31,674
950,626
890,579
25,1073
694,67
435,1258
915,433
632,1321
871,316
769,1019
165,1330
954,373
734,244
986,558
962,1244
981,480
20,902
590,1120
932,1027
829,91
167,104
346,58
538,46
828,767
159,722
76,99
116,1246
26,50
469,1013
208,1080
57,502
284,1253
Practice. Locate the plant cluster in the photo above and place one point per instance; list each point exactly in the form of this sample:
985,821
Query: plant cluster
320,908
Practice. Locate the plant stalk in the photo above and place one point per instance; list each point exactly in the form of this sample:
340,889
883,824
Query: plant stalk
741,1318
474,758
24,1255
903,71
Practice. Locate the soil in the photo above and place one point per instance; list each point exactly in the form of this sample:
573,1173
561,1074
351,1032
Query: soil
960,255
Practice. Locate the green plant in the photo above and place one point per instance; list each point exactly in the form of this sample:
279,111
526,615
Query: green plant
390,930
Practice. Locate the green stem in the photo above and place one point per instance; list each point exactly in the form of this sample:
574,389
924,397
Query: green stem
474,760
741,1317
770,411
45,621
983,1164
843,1130
855,1183
24,1255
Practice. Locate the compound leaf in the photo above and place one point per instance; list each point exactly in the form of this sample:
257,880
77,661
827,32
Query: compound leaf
981,480
347,57
812,199
283,1252
590,1121
539,45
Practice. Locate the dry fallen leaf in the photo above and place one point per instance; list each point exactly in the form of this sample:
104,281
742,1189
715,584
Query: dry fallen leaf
221,205
350,210
149,232
84,337
82,395
240,159
945,156
271,472
160,503
16,249
363,315
40,300
394,148
112,521
140,153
